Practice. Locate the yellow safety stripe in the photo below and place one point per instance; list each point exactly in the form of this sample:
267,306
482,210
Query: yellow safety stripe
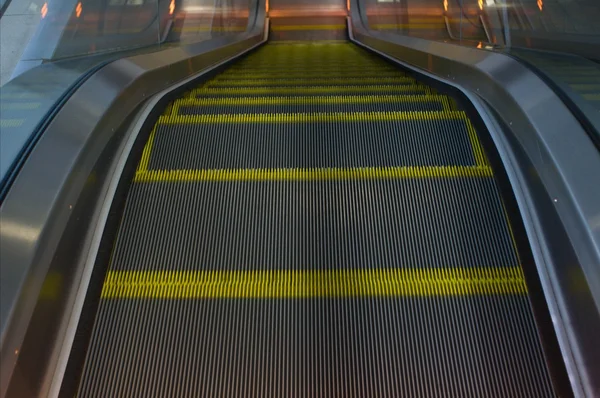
345,99
407,26
310,90
308,81
6,123
243,75
276,28
311,117
187,29
314,283
19,106
314,174
480,158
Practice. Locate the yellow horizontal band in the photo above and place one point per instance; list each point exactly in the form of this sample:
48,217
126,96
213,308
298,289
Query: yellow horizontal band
6,123
311,117
276,28
311,283
207,28
19,106
366,173
302,74
592,97
408,26
308,81
324,100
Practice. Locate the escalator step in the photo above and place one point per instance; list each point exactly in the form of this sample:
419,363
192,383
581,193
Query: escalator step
316,347
312,144
344,224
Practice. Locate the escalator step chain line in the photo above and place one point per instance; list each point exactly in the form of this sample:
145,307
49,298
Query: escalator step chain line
314,222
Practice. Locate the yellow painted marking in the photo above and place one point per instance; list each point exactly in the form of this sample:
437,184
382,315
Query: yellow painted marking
592,97
335,73
585,87
249,101
52,286
407,26
7,123
311,117
20,95
19,106
308,81
314,283
358,173
480,159
276,28
187,29
145,161
311,90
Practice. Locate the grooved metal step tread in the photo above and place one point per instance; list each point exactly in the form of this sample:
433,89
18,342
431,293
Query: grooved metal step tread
314,225
316,347
320,144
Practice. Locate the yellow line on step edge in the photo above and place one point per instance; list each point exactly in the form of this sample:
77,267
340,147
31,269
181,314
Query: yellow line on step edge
346,99
309,90
312,117
363,173
314,283
276,28
306,81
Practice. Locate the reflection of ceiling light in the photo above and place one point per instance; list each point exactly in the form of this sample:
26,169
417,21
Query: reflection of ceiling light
479,45
489,47
480,2
172,7
198,9
540,4
78,9
20,232
44,10
445,5
489,3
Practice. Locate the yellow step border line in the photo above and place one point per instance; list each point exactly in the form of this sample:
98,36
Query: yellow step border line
298,284
309,90
11,123
19,106
306,81
312,117
441,25
143,175
319,100
239,75
278,28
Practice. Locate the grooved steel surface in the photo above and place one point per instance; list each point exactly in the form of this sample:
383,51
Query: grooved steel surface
314,240
332,144
407,347
328,224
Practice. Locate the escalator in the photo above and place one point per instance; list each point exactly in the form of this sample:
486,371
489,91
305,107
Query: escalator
314,222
